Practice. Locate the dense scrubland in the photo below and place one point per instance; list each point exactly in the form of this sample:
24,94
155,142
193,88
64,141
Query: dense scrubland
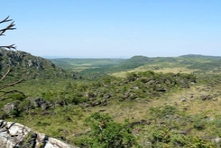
136,102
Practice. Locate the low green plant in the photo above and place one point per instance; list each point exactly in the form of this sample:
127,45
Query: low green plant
105,133
199,122
197,142
163,111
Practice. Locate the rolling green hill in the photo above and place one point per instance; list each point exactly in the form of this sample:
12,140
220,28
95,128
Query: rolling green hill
187,63
82,64
160,102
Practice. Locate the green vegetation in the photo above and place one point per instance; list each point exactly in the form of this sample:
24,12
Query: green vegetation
95,68
107,133
140,102
82,64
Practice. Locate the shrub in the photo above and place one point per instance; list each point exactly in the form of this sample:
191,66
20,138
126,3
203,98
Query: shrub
107,133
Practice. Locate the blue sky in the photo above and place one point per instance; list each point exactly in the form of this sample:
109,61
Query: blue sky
114,28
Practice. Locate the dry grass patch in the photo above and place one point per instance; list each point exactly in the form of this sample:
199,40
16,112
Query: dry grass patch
123,74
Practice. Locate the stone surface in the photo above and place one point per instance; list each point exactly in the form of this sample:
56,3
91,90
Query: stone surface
183,99
39,103
15,135
9,107
35,67
206,97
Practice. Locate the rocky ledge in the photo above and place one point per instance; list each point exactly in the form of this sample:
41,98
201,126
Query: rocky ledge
15,135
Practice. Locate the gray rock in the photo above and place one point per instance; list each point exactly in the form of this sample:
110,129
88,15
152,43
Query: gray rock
14,135
60,102
136,87
39,103
85,104
44,106
183,99
151,81
216,140
106,96
9,107
206,97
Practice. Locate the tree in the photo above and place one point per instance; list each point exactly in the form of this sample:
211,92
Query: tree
10,69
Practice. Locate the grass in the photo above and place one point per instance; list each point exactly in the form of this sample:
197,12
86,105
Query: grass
82,64
164,67
123,74
69,120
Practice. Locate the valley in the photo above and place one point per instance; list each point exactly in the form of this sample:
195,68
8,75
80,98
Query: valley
158,102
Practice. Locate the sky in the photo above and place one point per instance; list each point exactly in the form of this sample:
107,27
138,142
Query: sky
114,28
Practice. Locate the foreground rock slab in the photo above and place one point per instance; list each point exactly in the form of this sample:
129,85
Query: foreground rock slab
15,135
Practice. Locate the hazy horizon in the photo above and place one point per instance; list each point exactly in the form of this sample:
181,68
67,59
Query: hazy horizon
111,28
72,57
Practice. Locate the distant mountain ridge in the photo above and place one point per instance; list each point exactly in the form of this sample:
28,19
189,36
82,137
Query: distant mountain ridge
134,62
198,56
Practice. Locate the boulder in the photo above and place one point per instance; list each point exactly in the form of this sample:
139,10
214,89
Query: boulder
206,97
183,99
9,107
216,140
85,104
15,135
39,103
59,102
106,96
151,81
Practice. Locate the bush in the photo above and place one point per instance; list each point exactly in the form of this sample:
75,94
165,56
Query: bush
199,122
109,134
14,113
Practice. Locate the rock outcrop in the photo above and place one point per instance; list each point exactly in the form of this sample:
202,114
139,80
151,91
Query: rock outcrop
15,135
28,66
9,107
39,102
